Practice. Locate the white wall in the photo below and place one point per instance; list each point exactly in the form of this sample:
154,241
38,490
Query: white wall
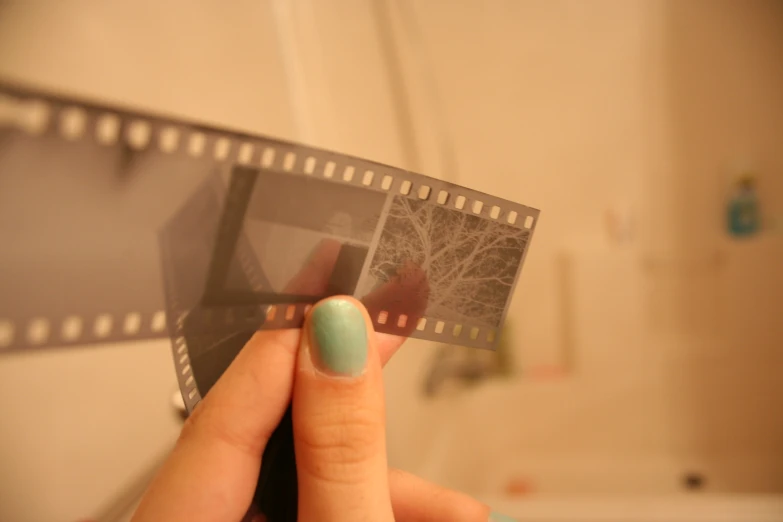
576,107
548,104
727,106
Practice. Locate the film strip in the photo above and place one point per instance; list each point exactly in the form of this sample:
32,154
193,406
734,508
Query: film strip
121,225
210,332
111,221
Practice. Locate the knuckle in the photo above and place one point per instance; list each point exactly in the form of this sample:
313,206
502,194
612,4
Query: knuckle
336,445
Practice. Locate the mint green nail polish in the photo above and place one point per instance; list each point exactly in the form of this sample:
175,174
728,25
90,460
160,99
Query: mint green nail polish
497,517
338,338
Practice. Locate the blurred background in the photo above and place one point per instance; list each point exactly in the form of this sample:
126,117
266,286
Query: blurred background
640,371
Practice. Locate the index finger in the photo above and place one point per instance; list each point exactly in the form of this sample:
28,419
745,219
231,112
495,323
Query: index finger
212,472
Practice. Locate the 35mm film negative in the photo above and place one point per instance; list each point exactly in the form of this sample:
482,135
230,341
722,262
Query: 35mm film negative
120,225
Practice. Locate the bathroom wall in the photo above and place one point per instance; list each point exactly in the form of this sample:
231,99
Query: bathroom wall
640,109
559,105
726,80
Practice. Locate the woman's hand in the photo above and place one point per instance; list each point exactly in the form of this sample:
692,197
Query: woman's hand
331,370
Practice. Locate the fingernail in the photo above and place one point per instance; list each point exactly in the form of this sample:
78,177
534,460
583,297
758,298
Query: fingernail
498,517
338,338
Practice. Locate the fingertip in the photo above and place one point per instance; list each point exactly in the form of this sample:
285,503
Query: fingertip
337,339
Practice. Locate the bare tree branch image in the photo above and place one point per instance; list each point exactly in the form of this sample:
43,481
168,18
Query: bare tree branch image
470,262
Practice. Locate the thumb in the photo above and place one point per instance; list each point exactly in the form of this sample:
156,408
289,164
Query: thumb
338,417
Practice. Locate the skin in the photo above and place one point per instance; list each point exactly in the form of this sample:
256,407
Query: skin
211,474
339,430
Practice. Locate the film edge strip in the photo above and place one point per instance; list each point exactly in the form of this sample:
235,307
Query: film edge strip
185,378
78,330
37,111
291,315
35,114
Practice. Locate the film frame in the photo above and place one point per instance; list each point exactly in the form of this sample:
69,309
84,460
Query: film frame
37,115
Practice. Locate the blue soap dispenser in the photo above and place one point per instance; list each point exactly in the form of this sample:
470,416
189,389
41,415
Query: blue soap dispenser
743,208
